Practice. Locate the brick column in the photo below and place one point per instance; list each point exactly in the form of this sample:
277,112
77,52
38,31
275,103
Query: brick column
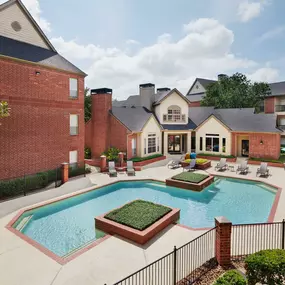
223,240
64,172
121,159
103,163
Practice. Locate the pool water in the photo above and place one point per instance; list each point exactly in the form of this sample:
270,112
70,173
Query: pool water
67,225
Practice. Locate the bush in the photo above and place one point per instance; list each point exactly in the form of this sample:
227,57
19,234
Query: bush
266,267
138,159
112,154
87,153
231,277
216,155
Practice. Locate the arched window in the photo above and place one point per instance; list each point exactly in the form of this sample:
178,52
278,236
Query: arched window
174,113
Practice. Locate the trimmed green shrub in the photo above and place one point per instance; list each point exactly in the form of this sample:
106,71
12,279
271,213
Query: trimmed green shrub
190,177
231,277
138,159
12,187
112,154
266,267
280,160
87,152
216,155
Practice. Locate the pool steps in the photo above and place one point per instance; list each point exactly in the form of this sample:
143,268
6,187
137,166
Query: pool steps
23,223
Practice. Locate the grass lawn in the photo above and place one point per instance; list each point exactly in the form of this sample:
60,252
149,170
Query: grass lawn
138,214
190,177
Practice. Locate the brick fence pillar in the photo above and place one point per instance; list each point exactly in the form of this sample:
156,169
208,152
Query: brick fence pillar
64,172
223,241
121,159
103,163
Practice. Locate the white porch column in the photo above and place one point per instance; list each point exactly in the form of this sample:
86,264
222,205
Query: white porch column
189,142
165,143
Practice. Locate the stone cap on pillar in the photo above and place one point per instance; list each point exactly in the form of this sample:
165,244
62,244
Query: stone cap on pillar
222,220
103,156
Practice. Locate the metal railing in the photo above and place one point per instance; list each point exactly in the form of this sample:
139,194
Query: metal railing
251,238
280,108
185,264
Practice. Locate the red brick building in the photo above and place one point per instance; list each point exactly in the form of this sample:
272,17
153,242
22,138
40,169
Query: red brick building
45,93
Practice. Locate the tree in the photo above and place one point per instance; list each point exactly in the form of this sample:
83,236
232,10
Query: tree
4,109
235,91
87,104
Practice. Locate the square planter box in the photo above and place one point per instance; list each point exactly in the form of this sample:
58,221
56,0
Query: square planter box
140,237
203,166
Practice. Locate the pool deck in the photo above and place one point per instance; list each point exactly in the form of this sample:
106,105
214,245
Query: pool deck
112,259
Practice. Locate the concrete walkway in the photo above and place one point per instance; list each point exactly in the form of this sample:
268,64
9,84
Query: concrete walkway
111,260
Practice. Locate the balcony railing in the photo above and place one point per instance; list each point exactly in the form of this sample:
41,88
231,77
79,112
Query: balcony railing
280,108
174,118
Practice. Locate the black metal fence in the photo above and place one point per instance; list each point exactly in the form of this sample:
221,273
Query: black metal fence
250,238
77,169
185,264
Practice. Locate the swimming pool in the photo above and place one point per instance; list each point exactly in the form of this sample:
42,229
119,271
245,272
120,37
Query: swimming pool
67,225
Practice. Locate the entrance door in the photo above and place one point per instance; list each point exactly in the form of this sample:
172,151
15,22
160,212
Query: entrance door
174,143
245,148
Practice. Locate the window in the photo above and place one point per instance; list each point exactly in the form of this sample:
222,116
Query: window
224,145
157,144
201,144
212,143
144,146
134,147
151,147
73,124
73,88
174,115
73,157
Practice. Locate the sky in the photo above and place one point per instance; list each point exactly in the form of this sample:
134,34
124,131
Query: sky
123,43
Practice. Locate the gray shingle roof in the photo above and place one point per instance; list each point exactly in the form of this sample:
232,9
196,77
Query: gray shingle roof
195,97
133,118
236,119
190,126
160,96
277,89
205,82
133,100
25,51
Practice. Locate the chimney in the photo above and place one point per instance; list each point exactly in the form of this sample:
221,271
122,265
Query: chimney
221,76
147,95
101,105
163,89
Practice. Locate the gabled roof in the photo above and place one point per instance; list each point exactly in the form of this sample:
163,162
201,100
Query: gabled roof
195,97
236,119
160,97
277,88
35,54
32,20
134,118
203,81
133,100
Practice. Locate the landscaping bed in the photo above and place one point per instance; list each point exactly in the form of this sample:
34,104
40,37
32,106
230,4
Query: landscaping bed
230,158
271,162
201,163
190,181
142,161
138,221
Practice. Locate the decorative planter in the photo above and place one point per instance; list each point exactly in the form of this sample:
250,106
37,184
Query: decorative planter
203,166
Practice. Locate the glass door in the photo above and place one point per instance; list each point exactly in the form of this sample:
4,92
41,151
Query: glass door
245,148
174,143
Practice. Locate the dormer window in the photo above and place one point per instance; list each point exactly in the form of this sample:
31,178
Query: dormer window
174,114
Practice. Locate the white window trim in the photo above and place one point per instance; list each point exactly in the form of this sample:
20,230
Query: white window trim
73,90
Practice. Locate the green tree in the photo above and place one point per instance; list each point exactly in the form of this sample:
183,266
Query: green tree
4,109
235,91
87,104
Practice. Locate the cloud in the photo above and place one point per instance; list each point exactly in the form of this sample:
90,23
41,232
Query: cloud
204,50
33,6
249,10
132,42
276,32
266,74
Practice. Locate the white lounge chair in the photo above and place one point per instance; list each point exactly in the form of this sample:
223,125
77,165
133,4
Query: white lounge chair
222,165
263,170
243,168
112,169
130,168
190,166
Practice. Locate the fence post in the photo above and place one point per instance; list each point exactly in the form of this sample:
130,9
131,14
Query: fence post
283,234
174,265
223,240
64,172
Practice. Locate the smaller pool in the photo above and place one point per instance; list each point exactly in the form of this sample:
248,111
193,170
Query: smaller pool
67,225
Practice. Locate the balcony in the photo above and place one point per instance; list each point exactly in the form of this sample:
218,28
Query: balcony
280,108
176,118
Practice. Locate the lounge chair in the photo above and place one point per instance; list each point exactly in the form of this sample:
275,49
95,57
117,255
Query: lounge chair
130,168
190,166
222,165
176,163
112,169
263,170
243,168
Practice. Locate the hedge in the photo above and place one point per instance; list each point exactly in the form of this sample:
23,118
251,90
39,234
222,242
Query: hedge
231,277
138,159
280,160
216,155
266,267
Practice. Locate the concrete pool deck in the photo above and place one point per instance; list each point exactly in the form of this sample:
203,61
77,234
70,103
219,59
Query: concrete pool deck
114,258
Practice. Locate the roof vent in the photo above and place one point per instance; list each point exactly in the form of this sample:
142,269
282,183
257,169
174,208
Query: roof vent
16,26
146,85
